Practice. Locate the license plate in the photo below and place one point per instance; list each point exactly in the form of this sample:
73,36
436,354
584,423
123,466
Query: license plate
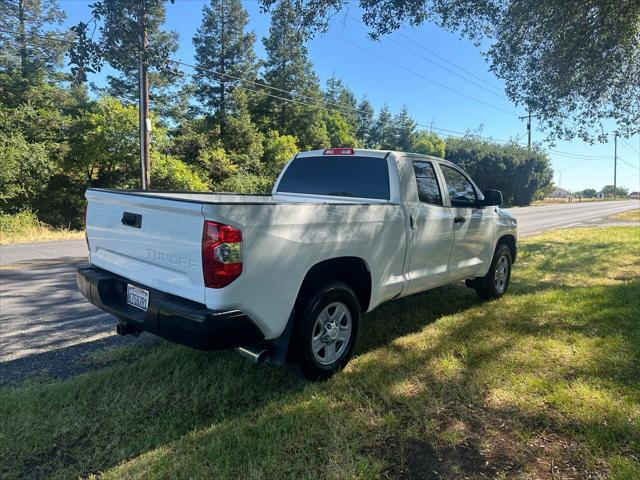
137,297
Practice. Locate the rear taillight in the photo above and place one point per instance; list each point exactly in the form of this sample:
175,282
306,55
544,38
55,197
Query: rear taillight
221,254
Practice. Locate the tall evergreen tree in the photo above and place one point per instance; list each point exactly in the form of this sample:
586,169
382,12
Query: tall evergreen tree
119,45
364,130
384,132
26,49
405,129
223,45
288,68
339,97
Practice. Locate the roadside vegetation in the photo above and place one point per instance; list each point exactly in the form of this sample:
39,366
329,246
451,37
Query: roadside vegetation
25,227
540,384
59,135
629,215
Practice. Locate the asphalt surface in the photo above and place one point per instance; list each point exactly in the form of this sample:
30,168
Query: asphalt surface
47,327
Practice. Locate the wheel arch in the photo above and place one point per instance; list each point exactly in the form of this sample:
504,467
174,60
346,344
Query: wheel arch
510,241
353,271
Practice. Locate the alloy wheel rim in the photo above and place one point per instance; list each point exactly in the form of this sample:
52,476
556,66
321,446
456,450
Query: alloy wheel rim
331,333
501,274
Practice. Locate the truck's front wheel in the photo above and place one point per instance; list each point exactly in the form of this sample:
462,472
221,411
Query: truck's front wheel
325,331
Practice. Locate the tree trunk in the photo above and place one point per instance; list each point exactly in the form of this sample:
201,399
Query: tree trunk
22,38
223,52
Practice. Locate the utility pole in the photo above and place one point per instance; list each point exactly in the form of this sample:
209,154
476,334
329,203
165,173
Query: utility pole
145,122
529,132
615,162
528,118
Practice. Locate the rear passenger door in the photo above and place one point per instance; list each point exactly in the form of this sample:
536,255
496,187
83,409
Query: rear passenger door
431,224
473,226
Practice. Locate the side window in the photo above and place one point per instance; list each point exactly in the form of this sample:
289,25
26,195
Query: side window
428,188
461,191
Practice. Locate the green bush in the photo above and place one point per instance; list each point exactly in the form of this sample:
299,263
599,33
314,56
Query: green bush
169,173
511,168
12,225
244,183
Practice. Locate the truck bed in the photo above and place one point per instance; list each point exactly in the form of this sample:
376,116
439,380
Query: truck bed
281,240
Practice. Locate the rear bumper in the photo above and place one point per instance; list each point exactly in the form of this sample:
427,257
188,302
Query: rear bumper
173,318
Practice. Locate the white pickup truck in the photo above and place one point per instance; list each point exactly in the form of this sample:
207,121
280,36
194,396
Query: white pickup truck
289,275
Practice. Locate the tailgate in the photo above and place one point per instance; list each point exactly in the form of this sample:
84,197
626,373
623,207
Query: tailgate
151,240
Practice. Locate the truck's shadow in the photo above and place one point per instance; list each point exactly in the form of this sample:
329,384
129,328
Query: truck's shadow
155,396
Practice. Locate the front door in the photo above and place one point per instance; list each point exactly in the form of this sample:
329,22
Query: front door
473,227
432,231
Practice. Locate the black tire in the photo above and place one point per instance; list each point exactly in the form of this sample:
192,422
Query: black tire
325,300
494,285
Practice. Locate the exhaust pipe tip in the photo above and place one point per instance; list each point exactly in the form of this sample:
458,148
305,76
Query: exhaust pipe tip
256,355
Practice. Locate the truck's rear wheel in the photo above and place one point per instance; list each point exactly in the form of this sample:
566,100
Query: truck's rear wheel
325,332
495,283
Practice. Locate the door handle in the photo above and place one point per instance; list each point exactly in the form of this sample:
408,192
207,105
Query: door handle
459,219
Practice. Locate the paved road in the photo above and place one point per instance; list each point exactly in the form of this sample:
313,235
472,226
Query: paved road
533,220
46,325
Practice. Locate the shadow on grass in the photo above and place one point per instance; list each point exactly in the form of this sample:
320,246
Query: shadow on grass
469,396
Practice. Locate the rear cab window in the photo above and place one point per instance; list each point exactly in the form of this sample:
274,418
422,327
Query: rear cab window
337,175
427,183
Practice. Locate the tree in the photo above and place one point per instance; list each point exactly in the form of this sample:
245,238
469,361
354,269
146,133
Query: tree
428,143
169,173
621,192
588,193
339,130
223,46
574,64
405,130
243,141
288,68
512,169
119,45
278,150
341,99
383,133
28,50
26,169
364,127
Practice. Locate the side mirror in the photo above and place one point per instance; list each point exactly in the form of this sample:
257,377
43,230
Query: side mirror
492,198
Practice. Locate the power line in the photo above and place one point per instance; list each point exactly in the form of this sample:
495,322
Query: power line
444,59
424,77
628,163
448,70
578,155
341,108
629,147
435,54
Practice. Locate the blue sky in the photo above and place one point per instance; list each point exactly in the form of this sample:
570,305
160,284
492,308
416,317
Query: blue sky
405,68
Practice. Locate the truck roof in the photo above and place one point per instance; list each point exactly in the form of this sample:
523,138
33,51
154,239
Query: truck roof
369,152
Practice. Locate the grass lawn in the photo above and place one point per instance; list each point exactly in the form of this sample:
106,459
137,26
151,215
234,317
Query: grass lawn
544,383
629,215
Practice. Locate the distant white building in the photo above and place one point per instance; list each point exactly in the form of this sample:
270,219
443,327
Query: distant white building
560,193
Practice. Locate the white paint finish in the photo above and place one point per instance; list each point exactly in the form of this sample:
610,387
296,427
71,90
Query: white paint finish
164,253
282,242
431,243
474,242
284,237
